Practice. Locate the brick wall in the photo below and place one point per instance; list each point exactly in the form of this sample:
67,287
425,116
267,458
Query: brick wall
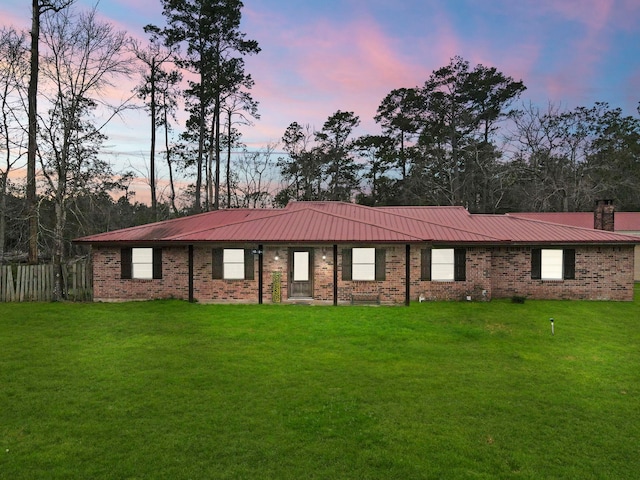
477,284
206,289
391,290
108,286
601,273
322,272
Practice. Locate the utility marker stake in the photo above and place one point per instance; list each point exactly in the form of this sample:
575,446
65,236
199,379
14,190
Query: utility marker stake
552,332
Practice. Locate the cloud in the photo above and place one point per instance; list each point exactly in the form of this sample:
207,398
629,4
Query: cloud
330,66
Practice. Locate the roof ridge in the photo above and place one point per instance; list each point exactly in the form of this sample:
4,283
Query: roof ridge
173,220
362,221
564,225
426,222
457,229
272,212
292,212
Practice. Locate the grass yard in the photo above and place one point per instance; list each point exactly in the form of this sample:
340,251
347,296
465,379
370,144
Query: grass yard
444,390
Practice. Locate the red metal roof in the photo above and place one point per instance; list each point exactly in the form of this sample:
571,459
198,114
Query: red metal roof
346,222
623,221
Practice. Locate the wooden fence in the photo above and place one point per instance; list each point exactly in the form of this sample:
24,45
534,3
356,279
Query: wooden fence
35,283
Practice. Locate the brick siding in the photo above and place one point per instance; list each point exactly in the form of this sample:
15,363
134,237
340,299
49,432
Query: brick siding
477,285
602,272
109,286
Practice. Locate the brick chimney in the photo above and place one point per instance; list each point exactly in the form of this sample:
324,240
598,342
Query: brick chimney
603,216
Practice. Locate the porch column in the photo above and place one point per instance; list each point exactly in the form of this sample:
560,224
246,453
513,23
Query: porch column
335,275
260,272
191,299
407,266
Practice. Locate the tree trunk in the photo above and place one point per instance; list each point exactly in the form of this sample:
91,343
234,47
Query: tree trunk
152,155
3,216
456,198
210,158
229,162
216,200
58,246
198,204
169,165
32,96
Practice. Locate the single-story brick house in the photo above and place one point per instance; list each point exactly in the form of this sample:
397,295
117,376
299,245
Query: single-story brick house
341,253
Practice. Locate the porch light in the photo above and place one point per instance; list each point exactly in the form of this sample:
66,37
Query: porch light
277,256
324,254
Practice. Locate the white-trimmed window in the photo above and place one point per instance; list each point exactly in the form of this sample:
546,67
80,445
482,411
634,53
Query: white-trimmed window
300,266
553,263
442,264
363,264
141,263
232,264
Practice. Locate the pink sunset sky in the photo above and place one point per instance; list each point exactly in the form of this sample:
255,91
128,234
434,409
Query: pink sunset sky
322,56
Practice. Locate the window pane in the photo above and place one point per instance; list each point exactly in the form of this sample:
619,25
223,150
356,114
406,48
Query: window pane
142,270
364,272
142,263
442,272
234,271
442,255
364,264
142,255
442,262
364,255
300,266
233,255
233,263
551,264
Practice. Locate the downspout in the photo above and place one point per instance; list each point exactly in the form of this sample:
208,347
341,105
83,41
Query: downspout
335,275
260,272
191,299
407,266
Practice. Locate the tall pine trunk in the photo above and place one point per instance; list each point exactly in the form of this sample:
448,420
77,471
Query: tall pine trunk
32,96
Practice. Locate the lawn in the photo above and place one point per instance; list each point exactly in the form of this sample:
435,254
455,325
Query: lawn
447,390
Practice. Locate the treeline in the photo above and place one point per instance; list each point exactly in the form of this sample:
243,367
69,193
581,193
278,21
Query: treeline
463,137
87,214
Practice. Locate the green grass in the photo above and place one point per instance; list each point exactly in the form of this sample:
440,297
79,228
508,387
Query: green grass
453,390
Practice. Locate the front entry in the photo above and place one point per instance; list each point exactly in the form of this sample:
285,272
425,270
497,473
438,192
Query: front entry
301,273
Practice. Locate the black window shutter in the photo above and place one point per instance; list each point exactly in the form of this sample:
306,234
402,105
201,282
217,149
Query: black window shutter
157,263
248,264
569,264
460,264
381,264
125,263
216,263
425,264
536,263
346,264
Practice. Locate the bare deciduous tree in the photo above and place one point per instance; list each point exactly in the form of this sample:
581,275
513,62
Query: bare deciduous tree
156,80
255,173
38,9
14,71
83,59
